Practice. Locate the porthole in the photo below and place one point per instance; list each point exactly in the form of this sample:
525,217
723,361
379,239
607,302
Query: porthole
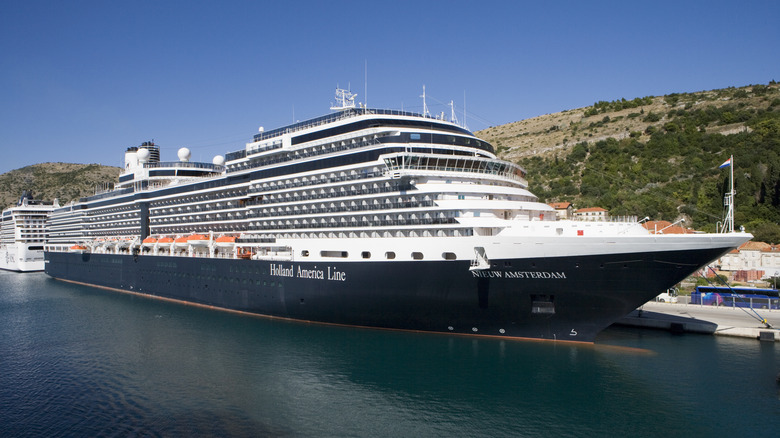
417,255
448,256
366,254
390,255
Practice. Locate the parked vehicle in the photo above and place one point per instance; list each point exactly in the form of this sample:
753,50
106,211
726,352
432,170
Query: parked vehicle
669,296
752,297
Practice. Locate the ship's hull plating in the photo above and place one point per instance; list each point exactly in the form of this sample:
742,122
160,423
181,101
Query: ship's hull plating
560,298
21,259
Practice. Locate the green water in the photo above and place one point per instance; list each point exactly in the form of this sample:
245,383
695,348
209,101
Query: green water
78,361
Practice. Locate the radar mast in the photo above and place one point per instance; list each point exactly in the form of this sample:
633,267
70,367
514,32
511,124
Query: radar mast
345,100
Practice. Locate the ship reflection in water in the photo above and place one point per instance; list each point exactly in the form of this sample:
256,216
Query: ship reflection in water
82,362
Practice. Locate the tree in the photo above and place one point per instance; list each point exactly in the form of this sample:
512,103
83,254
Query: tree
766,232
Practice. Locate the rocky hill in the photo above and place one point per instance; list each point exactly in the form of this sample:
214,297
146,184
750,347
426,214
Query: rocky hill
658,156
557,134
49,181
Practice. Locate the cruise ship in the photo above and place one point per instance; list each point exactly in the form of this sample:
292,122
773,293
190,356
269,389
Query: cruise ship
368,218
23,234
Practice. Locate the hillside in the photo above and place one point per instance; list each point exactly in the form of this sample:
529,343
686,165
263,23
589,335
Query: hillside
63,181
657,156
558,133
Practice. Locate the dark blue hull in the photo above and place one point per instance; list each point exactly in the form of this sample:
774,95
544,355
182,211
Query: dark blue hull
561,298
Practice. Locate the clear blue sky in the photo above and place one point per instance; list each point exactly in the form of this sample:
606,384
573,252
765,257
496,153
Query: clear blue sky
80,81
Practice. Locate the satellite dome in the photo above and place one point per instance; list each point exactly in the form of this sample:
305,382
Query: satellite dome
143,154
218,160
184,154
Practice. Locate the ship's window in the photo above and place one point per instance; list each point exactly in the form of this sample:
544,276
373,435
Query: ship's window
417,255
305,253
390,255
366,254
449,256
414,136
339,254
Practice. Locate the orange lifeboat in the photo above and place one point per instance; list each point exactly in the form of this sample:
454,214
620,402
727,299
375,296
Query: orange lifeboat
181,242
198,240
78,248
164,242
149,242
244,253
226,241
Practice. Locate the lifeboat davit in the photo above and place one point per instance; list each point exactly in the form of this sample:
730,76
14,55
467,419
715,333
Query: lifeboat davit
198,240
226,241
165,242
181,242
149,242
123,243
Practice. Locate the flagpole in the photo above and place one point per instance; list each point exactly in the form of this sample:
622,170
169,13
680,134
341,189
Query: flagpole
728,201
731,205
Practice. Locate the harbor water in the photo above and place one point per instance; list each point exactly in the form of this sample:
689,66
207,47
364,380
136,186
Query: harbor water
81,361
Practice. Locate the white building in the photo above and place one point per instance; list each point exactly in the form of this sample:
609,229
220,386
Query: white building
751,255
591,214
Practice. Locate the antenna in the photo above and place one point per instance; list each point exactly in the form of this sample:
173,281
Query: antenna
453,119
344,100
425,105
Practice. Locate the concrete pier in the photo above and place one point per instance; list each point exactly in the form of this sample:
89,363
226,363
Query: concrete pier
691,318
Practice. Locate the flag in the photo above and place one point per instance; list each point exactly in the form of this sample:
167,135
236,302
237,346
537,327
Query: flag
726,163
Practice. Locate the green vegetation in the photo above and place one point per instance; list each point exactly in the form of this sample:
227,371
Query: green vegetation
601,107
63,181
675,172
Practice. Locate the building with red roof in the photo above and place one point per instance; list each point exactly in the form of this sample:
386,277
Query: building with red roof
591,214
562,209
753,256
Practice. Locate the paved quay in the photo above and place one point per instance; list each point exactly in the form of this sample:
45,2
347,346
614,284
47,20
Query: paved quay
691,318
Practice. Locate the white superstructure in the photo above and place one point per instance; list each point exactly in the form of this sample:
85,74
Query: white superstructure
23,234
360,184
